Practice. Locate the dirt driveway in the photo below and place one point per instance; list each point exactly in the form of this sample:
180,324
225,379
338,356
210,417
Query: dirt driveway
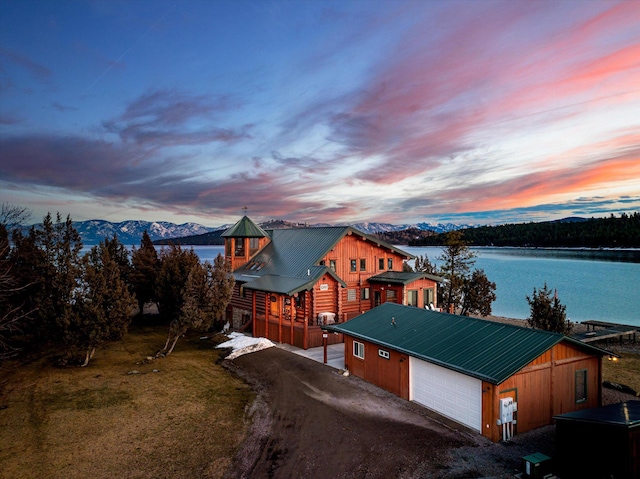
311,422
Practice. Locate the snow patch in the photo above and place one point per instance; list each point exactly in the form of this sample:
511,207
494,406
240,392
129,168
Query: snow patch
241,344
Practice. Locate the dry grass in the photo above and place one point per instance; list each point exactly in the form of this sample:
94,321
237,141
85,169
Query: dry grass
186,420
624,371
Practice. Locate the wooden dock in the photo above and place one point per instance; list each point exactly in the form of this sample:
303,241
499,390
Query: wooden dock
608,331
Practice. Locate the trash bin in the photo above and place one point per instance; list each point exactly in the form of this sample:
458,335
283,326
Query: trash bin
536,466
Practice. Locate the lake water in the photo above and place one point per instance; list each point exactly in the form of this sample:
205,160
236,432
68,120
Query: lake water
593,285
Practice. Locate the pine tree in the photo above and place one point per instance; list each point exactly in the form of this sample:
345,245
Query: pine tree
457,260
144,272
207,293
105,305
548,313
478,294
424,265
175,266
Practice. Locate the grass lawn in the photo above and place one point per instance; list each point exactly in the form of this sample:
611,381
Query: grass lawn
186,420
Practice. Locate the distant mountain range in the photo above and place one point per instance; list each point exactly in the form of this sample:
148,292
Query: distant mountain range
130,232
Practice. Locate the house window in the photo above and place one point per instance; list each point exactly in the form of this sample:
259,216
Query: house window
383,354
363,264
227,245
390,263
358,349
332,264
381,263
353,265
351,295
428,297
322,263
391,295
364,293
581,386
412,297
239,247
254,244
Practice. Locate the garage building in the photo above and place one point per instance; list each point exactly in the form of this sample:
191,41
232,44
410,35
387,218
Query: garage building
495,378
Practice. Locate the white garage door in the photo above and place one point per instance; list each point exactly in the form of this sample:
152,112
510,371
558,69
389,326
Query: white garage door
447,392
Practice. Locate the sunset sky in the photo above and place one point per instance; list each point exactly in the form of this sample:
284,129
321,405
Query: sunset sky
320,111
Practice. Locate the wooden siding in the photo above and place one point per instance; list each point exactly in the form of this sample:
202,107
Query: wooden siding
325,298
400,295
543,389
357,248
390,374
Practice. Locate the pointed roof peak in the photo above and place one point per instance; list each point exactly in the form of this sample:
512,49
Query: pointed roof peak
244,228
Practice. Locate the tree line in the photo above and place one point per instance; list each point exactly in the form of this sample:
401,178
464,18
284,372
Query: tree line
611,232
52,294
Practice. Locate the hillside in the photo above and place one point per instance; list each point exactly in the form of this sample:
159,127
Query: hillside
611,232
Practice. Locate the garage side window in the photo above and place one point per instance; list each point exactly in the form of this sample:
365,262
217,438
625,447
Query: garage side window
358,350
581,386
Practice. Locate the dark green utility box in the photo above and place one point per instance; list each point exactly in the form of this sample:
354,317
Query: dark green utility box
536,466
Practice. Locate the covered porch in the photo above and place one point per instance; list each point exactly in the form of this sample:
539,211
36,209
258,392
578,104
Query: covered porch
298,333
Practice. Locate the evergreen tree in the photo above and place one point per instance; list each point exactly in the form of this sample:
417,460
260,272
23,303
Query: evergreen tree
104,303
548,313
207,293
48,269
175,266
62,249
457,260
144,272
478,294
423,265
28,266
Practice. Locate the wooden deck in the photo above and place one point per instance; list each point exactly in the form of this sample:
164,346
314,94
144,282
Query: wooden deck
608,331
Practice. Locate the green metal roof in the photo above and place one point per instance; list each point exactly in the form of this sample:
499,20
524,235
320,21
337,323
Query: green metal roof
290,262
486,350
245,228
402,277
286,284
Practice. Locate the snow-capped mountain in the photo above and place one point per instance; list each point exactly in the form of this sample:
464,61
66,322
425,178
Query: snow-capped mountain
386,227
130,232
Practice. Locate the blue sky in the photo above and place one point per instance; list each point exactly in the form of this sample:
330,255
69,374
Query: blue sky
320,111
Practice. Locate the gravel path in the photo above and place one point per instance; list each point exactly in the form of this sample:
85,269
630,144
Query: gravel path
309,421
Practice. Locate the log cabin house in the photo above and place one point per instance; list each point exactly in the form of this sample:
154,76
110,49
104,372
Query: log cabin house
496,379
291,282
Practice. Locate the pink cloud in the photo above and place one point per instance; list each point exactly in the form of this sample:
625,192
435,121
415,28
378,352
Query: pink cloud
421,105
618,160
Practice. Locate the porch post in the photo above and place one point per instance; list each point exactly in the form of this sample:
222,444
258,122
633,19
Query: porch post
280,314
267,311
253,312
324,344
307,314
292,312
